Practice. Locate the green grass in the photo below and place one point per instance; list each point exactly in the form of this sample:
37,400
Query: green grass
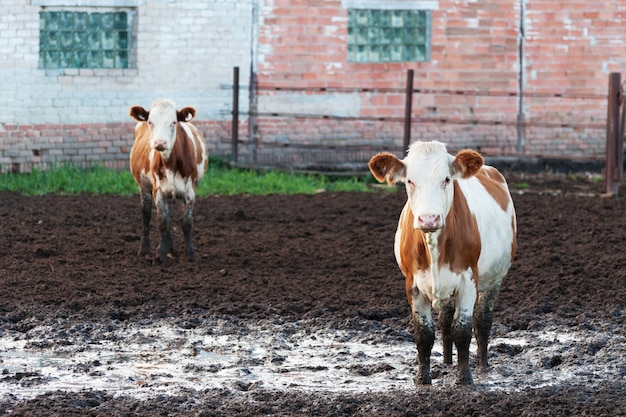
220,179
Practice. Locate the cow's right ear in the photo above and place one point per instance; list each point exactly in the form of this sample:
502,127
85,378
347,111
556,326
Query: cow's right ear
139,113
387,167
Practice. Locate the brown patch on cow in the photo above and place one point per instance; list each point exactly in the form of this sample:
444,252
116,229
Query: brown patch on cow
196,138
459,241
514,243
386,167
139,160
184,154
414,254
494,183
468,162
494,174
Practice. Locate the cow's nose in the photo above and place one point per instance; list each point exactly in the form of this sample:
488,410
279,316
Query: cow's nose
159,144
428,221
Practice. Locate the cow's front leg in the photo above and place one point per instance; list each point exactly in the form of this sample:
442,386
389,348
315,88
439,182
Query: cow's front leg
462,336
146,214
424,332
483,319
164,221
186,225
462,329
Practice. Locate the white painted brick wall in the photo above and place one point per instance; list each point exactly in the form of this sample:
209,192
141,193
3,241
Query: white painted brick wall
185,51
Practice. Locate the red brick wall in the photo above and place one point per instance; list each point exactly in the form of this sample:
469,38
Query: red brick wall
569,48
25,147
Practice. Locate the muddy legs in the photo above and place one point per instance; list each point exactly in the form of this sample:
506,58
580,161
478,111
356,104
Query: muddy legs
146,213
456,328
186,224
461,331
483,319
424,339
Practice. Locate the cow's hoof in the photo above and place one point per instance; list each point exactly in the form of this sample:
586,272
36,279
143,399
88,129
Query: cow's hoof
144,255
484,369
464,378
423,380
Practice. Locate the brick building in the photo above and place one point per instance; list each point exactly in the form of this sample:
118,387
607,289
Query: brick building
324,79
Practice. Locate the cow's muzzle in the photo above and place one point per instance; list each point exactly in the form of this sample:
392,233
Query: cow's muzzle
159,145
429,222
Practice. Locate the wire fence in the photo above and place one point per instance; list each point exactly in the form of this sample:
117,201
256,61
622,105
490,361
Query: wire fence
304,139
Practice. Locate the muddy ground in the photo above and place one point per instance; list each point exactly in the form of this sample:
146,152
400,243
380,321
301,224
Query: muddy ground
296,307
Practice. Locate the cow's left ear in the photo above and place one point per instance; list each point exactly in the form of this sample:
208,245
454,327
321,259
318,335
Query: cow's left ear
467,163
186,114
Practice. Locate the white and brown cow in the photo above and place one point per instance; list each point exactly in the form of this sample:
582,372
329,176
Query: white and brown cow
168,159
455,242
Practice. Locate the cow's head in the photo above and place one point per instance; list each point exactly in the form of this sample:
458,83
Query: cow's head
428,172
162,119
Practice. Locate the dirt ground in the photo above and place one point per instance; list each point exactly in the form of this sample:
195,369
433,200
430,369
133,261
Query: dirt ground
309,278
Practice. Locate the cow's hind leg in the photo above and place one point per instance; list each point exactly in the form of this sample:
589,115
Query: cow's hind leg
186,225
146,214
164,219
424,332
445,323
483,319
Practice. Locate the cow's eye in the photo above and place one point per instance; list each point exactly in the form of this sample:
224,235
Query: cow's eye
445,182
410,183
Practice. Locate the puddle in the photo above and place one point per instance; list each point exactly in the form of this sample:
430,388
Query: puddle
162,359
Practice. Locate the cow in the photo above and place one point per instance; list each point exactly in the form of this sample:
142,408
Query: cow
168,159
455,241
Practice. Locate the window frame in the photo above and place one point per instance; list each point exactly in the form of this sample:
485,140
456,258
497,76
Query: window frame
92,6
425,6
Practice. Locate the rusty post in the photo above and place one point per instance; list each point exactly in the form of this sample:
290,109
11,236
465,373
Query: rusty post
408,108
235,128
614,142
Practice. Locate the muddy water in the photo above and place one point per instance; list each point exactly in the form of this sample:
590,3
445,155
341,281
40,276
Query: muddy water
162,359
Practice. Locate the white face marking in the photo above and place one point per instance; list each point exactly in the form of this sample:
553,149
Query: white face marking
429,185
162,121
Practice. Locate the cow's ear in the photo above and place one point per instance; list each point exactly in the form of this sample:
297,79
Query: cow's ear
467,163
186,114
387,167
139,113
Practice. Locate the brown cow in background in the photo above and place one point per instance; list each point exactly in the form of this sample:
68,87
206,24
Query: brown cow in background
168,159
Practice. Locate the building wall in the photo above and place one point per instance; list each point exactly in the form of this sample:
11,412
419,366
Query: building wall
571,47
185,50
557,54
483,56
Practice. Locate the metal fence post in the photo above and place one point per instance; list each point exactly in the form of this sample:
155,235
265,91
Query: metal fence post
408,108
614,141
235,128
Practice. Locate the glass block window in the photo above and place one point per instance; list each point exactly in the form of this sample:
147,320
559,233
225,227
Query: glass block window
388,35
70,39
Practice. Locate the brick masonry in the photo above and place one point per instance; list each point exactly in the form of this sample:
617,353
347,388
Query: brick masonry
186,49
